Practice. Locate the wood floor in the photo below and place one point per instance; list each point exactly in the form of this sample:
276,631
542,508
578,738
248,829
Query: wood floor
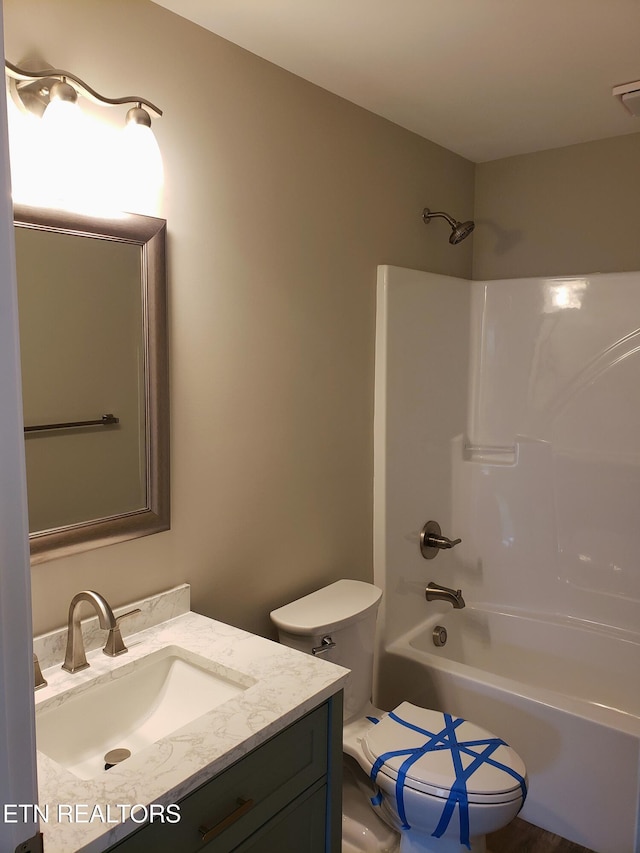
523,837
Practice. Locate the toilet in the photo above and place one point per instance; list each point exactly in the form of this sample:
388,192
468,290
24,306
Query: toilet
415,780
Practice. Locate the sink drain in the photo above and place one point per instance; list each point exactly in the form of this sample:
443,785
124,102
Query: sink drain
115,756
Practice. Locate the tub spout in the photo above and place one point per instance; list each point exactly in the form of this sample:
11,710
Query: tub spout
435,592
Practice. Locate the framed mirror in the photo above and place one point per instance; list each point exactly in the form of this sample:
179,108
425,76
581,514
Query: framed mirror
93,339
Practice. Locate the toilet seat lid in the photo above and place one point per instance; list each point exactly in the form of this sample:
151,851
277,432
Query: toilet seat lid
434,752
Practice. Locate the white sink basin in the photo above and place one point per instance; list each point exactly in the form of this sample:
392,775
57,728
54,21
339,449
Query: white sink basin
132,707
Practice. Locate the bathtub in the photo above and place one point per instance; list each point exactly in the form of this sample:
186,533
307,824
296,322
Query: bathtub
574,719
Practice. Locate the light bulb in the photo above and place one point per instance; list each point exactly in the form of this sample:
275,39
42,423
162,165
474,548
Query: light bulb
62,108
67,151
141,166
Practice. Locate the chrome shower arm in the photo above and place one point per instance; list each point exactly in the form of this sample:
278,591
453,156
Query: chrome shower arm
428,215
459,230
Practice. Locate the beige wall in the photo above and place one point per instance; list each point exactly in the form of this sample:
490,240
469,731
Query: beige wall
281,199
565,211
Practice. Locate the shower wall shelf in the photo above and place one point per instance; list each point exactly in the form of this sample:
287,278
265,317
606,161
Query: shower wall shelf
105,420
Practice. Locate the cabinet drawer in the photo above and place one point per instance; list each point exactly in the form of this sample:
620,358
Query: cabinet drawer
299,827
242,798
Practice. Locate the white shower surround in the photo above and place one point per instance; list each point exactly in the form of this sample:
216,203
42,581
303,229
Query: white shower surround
508,411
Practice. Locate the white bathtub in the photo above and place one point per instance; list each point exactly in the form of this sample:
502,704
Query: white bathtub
564,693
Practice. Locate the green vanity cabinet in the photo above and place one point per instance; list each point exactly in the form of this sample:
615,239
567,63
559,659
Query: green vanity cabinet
283,796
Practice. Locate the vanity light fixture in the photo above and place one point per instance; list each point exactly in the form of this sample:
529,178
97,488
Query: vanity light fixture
99,168
37,91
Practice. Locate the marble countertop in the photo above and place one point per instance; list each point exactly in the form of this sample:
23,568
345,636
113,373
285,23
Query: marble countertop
283,685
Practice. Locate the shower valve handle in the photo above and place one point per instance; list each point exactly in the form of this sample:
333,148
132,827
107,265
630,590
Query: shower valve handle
432,541
441,541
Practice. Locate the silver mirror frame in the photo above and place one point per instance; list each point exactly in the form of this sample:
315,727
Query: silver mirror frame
150,233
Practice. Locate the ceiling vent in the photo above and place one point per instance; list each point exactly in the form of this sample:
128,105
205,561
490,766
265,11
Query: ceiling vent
629,96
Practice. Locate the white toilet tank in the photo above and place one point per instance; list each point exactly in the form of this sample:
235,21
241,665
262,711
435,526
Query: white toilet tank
345,613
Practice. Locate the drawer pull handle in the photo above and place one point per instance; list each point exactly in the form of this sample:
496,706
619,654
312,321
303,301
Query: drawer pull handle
209,832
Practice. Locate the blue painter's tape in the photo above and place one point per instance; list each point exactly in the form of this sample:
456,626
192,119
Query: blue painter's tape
446,739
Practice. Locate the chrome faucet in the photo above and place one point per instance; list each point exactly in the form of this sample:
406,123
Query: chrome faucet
75,658
435,592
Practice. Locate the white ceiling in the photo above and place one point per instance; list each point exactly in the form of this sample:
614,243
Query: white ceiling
485,78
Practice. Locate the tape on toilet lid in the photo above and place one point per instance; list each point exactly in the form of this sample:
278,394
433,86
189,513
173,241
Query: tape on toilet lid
410,727
447,757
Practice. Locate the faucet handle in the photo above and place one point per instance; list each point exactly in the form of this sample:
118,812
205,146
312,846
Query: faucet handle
432,540
115,644
40,680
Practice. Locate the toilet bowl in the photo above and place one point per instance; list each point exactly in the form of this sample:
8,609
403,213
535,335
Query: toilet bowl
439,781
442,782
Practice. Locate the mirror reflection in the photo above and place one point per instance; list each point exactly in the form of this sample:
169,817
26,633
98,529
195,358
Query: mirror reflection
93,349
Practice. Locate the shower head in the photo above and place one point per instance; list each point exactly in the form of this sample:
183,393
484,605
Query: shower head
462,230
459,230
